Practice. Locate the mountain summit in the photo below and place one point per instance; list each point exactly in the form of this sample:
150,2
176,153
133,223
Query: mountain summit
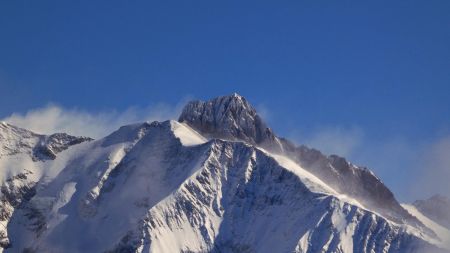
217,180
228,117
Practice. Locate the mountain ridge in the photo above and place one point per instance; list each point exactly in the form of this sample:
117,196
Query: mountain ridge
203,184
40,147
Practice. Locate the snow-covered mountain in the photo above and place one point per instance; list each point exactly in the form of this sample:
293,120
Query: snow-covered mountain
233,118
216,180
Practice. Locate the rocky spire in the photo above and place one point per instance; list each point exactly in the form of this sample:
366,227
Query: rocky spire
228,117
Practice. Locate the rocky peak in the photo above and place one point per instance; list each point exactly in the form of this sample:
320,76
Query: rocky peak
228,117
15,140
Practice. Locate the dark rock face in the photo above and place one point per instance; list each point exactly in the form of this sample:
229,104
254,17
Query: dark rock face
13,194
228,117
233,118
437,208
51,145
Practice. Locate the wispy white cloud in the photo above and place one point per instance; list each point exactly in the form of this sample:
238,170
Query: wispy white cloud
53,118
264,112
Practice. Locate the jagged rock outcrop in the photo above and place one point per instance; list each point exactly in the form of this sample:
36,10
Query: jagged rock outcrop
13,193
229,117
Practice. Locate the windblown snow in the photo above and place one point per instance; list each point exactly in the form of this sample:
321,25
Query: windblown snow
187,135
168,187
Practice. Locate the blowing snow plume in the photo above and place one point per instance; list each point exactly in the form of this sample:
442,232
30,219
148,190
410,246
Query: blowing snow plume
56,119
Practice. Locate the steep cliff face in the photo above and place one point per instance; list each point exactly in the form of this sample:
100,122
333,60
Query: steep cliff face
219,180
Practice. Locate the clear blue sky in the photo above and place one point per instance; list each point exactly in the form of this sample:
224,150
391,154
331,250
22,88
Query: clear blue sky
380,66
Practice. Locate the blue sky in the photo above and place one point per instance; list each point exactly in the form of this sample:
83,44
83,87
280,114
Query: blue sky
367,80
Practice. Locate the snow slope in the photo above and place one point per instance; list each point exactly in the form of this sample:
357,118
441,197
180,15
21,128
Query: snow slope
442,234
25,159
